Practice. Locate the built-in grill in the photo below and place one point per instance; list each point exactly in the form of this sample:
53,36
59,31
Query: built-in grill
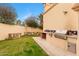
66,34
71,40
60,36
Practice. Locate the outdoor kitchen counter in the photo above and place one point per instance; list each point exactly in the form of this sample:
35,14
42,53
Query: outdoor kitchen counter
73,36
72,39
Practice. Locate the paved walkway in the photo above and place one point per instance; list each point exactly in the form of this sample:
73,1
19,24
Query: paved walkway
51,51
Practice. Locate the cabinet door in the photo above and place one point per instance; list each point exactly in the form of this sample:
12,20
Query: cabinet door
44,35
72,47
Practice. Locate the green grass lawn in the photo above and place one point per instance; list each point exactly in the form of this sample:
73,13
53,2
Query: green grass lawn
24,46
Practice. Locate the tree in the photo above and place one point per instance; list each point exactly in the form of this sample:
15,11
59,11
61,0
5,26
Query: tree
41,21
1,19
7,14
18,22
31,22
23,24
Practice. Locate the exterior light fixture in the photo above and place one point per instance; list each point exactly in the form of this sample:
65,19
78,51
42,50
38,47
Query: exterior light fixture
65,12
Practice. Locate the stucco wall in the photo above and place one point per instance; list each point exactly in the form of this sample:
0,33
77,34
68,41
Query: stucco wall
29,29
77,45
55,19
6,29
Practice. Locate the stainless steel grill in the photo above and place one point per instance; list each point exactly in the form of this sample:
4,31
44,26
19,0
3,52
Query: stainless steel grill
60,36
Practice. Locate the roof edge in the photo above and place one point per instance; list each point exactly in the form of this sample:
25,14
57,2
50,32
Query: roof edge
50,8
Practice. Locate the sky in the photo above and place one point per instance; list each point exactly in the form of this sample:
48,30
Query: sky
24,10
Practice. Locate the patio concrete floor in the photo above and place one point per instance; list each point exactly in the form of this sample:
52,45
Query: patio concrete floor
51,51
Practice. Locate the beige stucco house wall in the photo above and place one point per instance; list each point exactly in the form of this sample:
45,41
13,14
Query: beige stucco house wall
56,16
60,16
7,29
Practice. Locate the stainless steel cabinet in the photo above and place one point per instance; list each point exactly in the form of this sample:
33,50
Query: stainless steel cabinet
72,47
